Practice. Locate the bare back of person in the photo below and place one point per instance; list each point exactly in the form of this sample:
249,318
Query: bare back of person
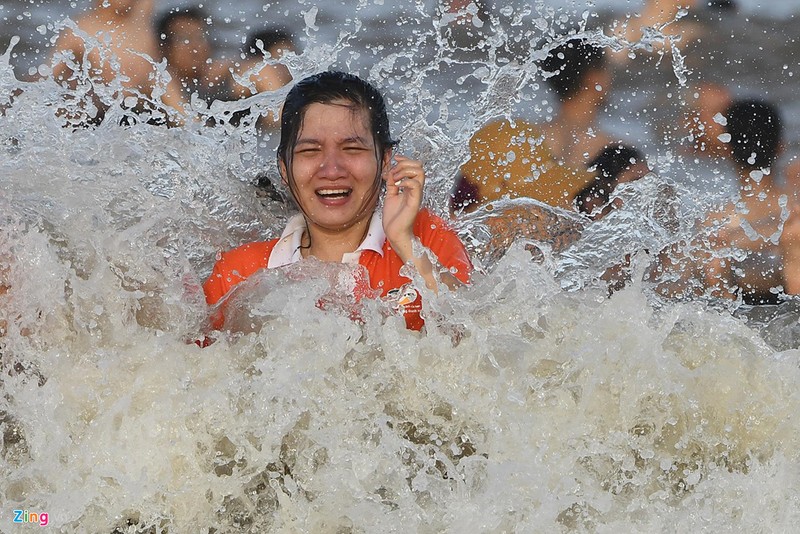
117,40
751,229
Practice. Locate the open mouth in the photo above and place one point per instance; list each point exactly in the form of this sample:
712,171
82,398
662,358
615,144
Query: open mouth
332,194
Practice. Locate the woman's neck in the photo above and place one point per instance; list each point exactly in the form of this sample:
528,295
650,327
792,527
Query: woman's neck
331,245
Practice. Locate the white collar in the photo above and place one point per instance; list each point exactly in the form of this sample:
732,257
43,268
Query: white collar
287,249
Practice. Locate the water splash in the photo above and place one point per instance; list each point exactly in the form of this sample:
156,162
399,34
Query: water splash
533,402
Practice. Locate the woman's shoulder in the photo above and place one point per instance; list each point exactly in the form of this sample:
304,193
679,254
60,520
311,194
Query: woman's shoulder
441,238
435,232
428,221
234,266
254,253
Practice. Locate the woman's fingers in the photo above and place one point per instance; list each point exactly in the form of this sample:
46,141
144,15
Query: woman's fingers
406,171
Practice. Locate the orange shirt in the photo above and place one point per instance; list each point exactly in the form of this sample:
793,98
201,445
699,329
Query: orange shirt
376,255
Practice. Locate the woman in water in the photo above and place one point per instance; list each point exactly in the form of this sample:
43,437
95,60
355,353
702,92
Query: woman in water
335,156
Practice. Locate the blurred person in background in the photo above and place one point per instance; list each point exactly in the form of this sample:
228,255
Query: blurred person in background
184,43
548,162
740,248
261,70
114,44
790,238
615,165
752,223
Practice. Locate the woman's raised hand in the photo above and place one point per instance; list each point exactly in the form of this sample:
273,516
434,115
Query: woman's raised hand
404,185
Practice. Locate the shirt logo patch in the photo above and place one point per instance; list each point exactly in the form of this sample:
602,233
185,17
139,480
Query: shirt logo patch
403,298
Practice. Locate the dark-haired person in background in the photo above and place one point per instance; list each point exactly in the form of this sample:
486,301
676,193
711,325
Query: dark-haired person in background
261,70
547,162
746,257
184,43
578,73
615,165
790,238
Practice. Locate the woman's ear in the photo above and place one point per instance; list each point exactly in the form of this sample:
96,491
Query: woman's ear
386,164
284,173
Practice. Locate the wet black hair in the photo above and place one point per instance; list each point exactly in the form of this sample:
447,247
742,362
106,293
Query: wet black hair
269,37
756,130
164,23
325,88
721,4
568,64
612,161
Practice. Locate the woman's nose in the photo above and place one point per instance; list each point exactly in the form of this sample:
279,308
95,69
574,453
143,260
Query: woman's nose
331,164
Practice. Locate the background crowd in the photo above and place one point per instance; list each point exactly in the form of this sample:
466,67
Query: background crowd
748,247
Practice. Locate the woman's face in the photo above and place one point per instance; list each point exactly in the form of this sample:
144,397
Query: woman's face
334,166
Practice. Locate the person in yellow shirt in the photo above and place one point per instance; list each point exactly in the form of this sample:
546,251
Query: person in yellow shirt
512,158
